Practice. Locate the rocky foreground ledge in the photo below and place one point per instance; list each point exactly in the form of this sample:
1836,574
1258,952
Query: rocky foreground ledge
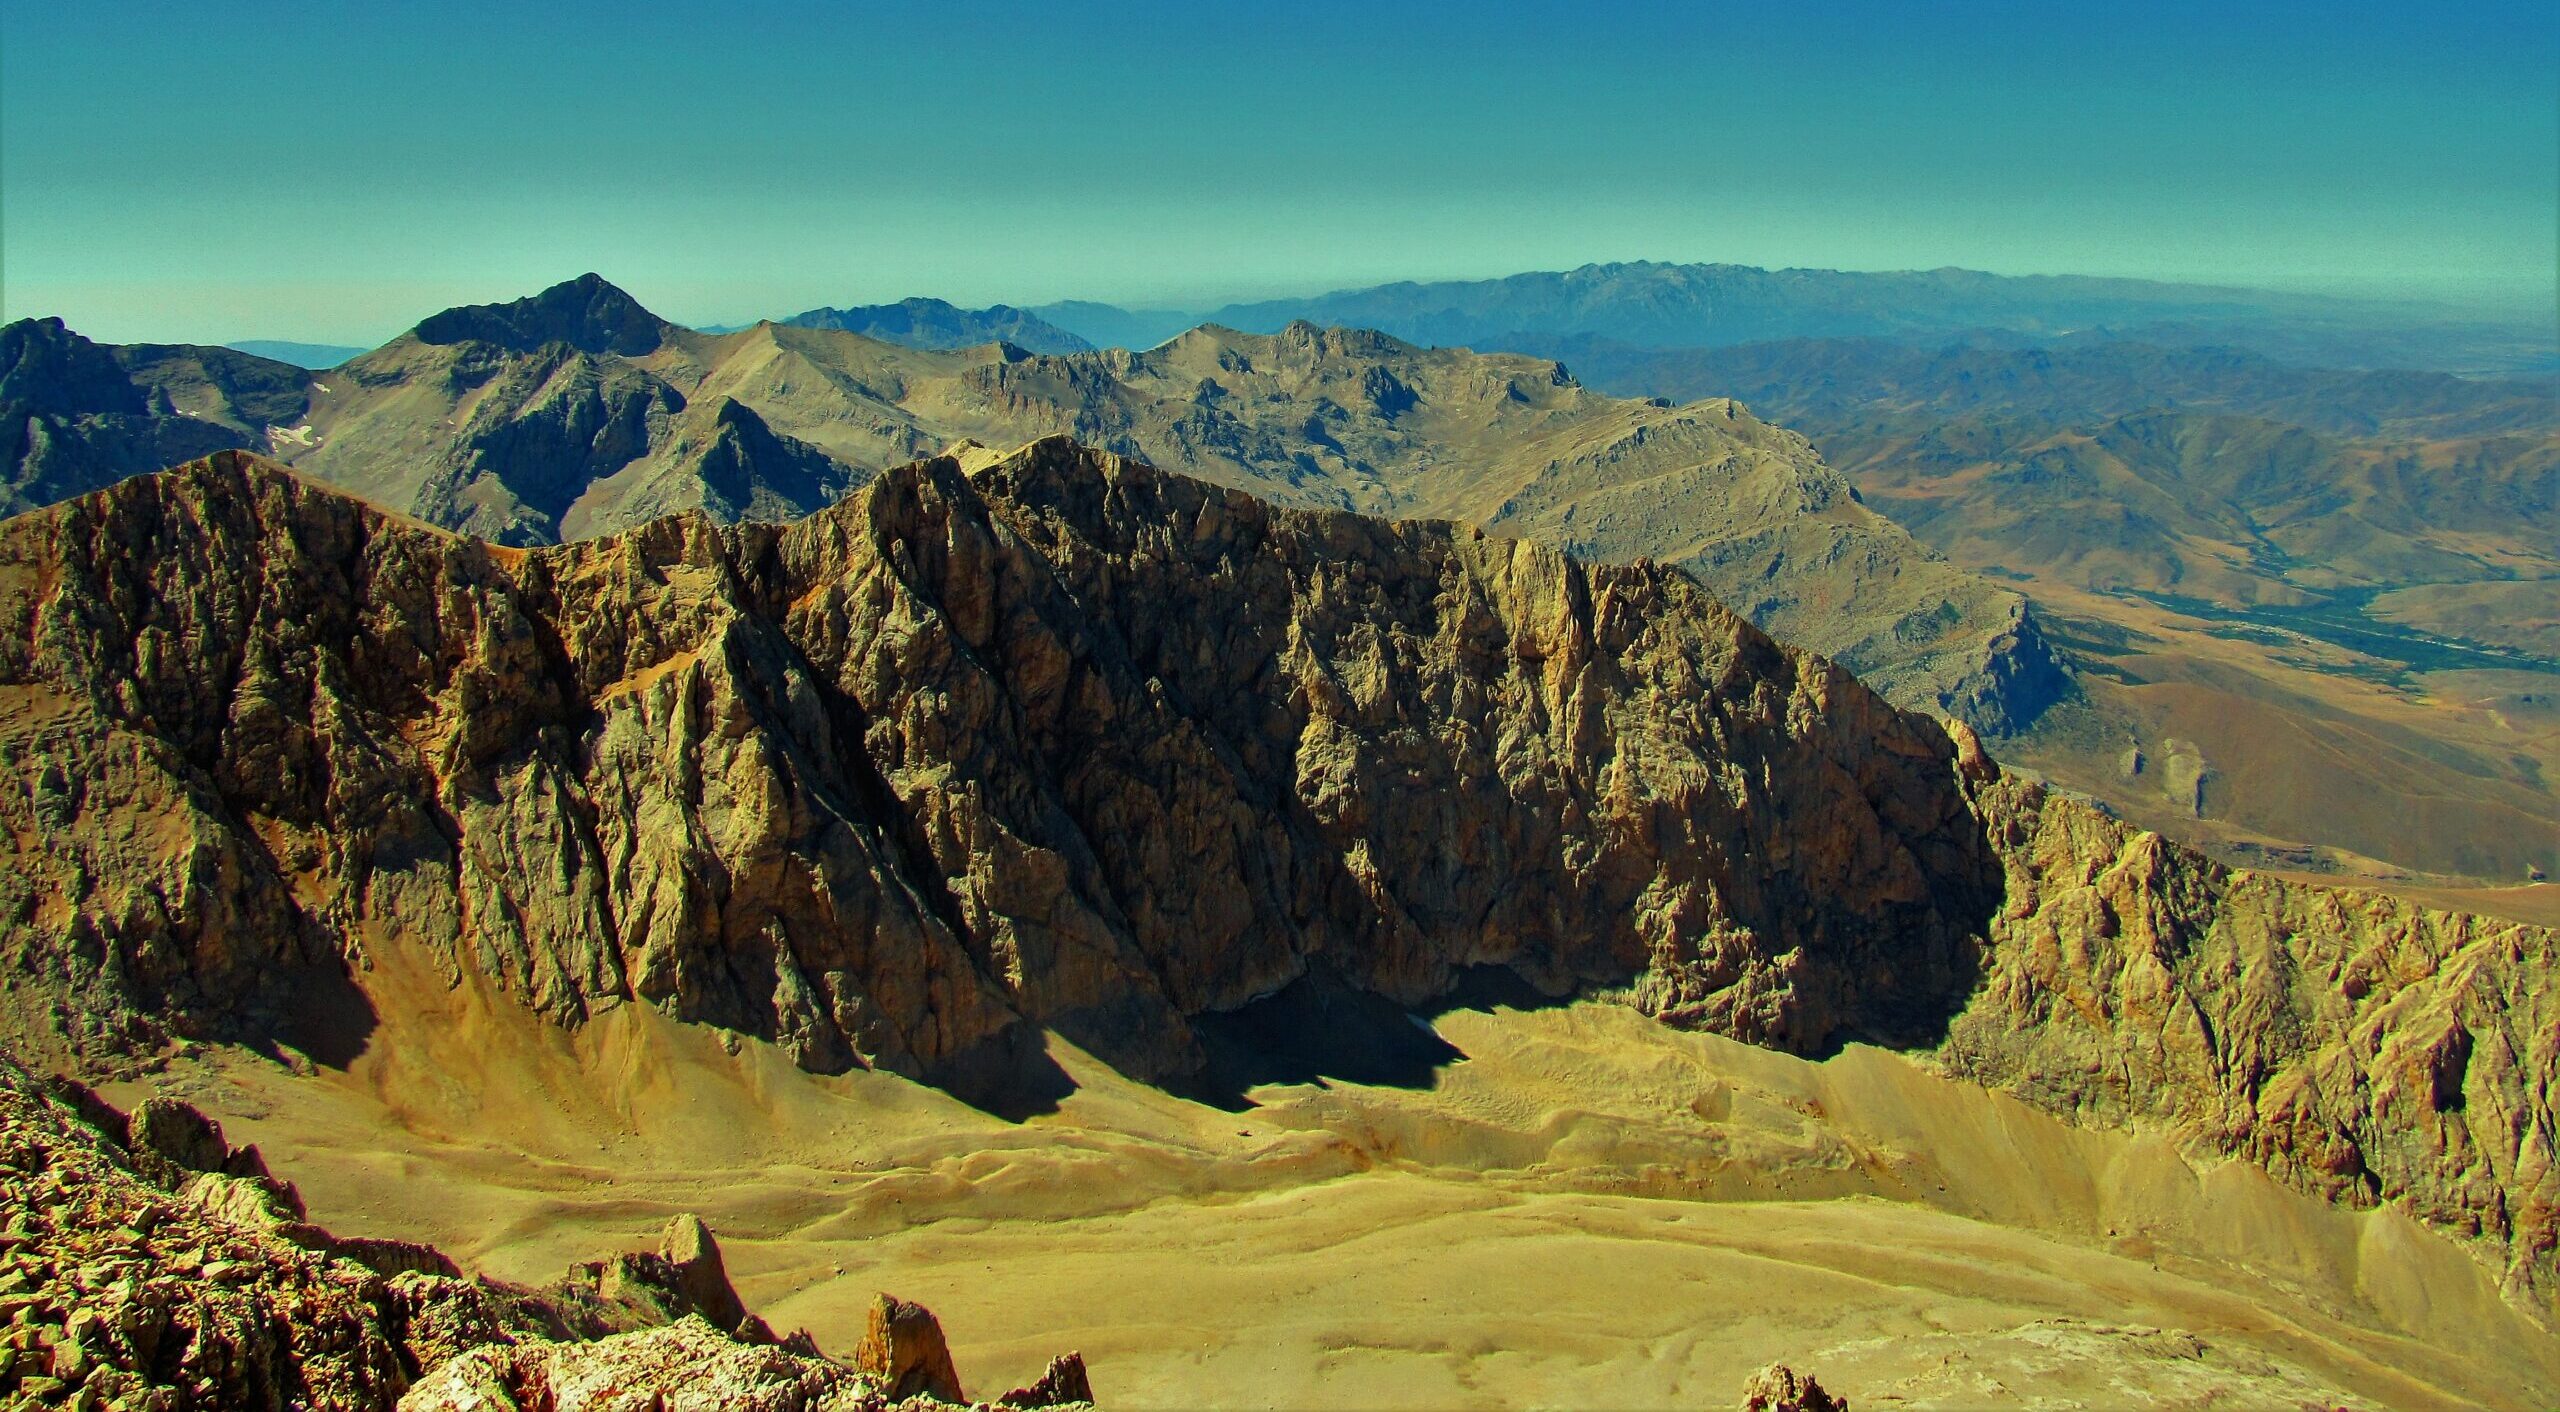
147,1265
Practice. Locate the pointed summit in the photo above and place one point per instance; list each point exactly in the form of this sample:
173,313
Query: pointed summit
587,313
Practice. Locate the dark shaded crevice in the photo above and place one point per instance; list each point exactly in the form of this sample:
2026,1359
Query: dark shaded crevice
1322,1028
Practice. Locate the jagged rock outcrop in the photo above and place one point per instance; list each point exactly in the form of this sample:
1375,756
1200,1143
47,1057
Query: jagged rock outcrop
125,1285
1779,1388
2352,1043
685,1367
903,1350
1062,1384
125,1288
1060,741
955,758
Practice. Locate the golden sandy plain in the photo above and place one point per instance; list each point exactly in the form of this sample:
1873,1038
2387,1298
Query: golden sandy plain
1589,1210
2442,785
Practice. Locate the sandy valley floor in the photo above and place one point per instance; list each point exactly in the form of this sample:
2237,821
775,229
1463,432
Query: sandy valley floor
1589,1210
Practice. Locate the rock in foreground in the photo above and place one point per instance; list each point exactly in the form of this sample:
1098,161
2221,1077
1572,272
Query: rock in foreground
132,1281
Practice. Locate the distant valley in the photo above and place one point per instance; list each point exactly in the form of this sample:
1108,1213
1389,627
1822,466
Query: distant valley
2329,600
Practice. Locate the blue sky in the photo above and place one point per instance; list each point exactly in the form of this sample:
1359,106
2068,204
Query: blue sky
334,172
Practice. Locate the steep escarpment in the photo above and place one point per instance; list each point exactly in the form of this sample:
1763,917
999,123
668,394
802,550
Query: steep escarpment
2354,1044
1057,741
958,756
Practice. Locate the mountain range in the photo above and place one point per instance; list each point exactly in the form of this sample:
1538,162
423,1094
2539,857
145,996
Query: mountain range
1273,812
301,355
1652,304
932,323
2231,549
576,412
2122,528
960,761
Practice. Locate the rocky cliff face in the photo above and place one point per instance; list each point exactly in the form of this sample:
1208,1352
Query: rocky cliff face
2351,1043
1057,740
960,754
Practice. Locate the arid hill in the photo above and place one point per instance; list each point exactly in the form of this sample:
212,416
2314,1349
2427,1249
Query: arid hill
577,413
963,758
2308,606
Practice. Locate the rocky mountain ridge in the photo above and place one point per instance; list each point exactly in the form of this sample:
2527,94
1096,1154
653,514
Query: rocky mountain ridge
960,759
934,323
1657,304
76,415
535,422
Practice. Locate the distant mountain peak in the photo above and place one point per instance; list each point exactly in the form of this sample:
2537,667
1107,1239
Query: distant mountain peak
589,313
934,323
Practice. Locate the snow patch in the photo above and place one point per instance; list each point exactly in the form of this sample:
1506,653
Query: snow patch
290,436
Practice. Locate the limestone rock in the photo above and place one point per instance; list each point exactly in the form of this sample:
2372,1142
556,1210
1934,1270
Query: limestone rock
144,1297
700,1273
2354,1044
684,1367
1779,1388
902,1349
178,1134
1061,1384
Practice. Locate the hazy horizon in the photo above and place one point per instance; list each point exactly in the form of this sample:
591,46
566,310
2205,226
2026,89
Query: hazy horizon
2502,306
266,171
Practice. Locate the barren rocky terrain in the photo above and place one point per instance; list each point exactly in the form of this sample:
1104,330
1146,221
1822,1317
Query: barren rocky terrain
2310,610
952,780
151,1264
577,412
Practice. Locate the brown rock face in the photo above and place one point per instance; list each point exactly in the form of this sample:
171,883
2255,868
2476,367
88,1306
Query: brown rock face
903,1350
2351,1043
1061,1384
1063,742
1779,1388
703,1276
956,755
